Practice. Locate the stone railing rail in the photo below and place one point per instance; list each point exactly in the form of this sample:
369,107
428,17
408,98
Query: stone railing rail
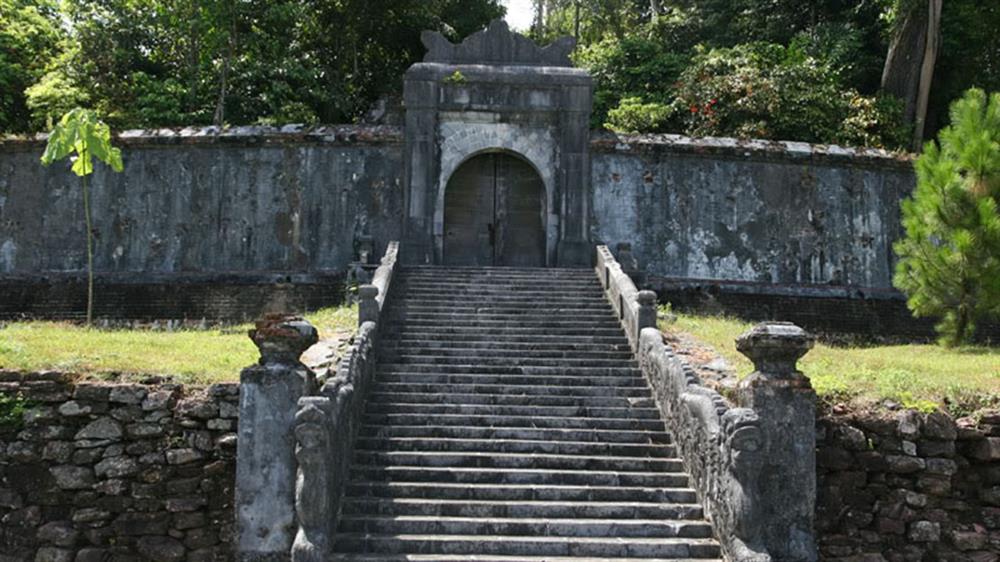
295,443
636,309
752,466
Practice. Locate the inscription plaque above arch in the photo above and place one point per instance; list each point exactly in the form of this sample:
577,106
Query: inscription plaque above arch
498,91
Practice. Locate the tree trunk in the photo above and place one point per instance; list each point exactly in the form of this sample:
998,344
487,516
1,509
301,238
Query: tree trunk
931,47
220,106
654,9
912,52
90,247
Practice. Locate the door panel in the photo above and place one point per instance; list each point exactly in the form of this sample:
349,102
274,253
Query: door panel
494,213
468,213
520,236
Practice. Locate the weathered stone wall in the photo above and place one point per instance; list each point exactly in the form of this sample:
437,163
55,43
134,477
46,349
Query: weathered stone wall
125,472
908,486
261,201
769,212
253,199
243,200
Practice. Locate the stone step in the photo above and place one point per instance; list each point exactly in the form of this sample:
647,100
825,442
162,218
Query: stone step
539,308
511,364
530,546
521,446
355,557
522,508
508,283
520,316
491,475
526,332
598,436
517,411
490,378
531,527
513,399
535,272
391,353
476,322
524,389
481,290
474,300
480,339
492,492
504,367
526,461
549,422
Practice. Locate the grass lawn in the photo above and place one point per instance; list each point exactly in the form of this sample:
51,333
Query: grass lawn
917,376
191,356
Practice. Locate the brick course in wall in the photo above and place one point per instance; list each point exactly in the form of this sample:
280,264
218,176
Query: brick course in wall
225,298
116,472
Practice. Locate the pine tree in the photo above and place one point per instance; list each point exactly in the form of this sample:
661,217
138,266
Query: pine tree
949,263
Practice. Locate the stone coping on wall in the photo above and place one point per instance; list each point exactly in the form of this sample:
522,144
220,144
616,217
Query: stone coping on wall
250,135
601,142
723,147
261,277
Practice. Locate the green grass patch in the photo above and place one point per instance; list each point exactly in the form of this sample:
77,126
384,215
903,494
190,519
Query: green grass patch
917,376
191,356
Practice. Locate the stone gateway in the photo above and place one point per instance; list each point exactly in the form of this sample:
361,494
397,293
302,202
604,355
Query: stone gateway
497,130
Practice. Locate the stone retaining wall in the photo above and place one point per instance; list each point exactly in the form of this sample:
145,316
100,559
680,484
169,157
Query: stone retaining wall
135,472
907,486
94,472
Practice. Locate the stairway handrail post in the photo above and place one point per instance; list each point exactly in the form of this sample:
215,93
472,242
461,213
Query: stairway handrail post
265,451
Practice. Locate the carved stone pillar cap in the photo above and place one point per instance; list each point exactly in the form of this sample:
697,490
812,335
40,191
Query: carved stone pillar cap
281,338
775,347
646,298
367,291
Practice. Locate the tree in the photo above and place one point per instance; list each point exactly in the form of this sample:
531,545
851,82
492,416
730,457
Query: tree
30,37
81,132
949,261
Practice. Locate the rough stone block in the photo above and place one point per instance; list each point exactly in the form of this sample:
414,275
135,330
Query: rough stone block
924,531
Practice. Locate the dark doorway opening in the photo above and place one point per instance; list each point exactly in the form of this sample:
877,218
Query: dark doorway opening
494,210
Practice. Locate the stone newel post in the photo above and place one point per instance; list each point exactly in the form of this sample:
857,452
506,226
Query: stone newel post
786,405
368,307
265,453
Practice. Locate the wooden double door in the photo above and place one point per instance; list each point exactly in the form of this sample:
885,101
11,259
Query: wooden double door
494,213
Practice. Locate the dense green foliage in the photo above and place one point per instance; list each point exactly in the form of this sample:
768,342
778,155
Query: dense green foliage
950,259
30,39
151,63
780,69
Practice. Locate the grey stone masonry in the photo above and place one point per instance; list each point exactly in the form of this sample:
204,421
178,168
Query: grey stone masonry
327,424
753,465
265,466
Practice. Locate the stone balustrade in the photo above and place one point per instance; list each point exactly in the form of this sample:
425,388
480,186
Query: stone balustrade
752,463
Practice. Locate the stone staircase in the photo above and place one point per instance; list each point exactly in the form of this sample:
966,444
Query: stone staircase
509,421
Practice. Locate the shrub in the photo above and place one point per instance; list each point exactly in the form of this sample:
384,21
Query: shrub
634,116
764,90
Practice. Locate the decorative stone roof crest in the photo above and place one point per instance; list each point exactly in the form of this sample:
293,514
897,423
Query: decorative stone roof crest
497,45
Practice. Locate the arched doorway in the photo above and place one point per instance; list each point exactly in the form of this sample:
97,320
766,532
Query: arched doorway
494,213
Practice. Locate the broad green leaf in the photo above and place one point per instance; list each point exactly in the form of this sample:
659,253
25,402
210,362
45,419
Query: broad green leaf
80,131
